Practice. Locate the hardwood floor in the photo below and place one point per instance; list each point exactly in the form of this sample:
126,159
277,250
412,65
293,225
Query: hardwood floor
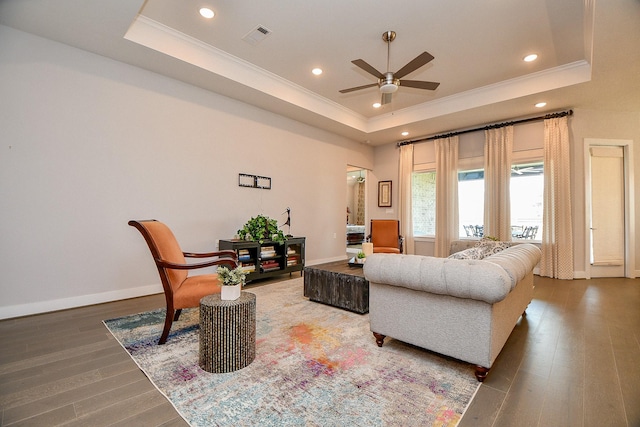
572,361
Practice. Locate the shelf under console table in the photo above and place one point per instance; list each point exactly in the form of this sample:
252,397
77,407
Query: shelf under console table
269,258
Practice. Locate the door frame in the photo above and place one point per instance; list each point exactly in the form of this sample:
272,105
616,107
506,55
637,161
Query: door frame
629,203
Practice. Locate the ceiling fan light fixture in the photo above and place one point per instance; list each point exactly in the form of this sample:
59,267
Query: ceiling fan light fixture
388,87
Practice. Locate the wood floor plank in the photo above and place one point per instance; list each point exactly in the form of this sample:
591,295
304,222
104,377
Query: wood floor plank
484,408
523,404
58,416
121,410
563,404
69,397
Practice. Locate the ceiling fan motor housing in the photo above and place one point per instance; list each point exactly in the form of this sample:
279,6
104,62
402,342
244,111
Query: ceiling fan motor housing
389,84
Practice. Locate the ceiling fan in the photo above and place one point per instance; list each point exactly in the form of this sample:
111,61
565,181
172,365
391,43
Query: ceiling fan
390,81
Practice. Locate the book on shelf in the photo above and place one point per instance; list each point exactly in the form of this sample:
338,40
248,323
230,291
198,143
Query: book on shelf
244,255
248,268
270,265
292,261
268,254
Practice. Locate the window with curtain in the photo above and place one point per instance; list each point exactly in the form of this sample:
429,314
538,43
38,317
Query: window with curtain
423,208
527,196
471,202
527,184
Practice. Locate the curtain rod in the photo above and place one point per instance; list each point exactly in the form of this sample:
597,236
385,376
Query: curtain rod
487,127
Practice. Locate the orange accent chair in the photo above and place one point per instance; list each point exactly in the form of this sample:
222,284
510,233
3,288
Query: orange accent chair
180,289
385,236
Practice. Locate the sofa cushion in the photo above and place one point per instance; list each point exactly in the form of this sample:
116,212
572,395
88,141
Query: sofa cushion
474,279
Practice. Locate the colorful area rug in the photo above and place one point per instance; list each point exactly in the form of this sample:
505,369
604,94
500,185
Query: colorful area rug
315,366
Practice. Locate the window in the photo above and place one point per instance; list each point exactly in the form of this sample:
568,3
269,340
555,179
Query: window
423,190
527,186
471,202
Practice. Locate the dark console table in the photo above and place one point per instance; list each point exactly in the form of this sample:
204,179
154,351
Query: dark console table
337,284
267,259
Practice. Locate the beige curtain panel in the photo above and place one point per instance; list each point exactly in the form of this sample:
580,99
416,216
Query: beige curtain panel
405,168
446,194
557,231
498,149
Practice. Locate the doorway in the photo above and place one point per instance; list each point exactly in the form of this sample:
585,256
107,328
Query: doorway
356,208
609,208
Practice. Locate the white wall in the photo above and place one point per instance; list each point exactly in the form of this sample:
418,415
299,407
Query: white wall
89,143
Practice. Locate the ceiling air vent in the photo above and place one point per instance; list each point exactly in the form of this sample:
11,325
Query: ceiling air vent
256,35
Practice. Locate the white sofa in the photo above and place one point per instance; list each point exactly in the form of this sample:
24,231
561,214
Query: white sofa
462,308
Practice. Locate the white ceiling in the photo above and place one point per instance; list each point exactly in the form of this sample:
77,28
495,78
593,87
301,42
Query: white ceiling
589,55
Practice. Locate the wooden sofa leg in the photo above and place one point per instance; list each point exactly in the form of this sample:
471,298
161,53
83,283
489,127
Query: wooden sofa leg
177,315
379,338
481,373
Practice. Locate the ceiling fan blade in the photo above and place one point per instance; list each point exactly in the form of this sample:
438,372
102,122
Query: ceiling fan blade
368,68
386,98
420,60
351,89
418,84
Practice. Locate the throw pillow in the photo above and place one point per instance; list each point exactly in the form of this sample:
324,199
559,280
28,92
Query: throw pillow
471,253
489,247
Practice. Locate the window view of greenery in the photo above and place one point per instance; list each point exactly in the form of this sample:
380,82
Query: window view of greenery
423,190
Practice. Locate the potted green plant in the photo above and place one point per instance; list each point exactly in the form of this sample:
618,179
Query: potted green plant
360,258
232,281
261,228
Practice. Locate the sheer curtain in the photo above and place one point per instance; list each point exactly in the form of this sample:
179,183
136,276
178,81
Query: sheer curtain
446,194
405,168
498,147
557,231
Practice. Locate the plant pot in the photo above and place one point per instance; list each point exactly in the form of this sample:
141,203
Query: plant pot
230,293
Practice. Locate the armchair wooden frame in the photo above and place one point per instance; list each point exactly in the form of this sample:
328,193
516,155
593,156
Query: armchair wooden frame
225,257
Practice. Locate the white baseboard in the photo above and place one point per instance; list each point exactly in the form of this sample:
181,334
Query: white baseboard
11,311
579,274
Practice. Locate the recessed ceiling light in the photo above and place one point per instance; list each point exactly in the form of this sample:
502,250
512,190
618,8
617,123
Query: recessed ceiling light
377,105
405,133
207,13
530,58
541,104
317,71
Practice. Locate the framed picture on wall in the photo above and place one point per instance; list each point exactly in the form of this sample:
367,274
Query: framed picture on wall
384,194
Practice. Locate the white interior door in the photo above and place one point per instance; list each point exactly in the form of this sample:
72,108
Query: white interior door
607,213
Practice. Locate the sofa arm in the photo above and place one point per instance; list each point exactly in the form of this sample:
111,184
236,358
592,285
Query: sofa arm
474,279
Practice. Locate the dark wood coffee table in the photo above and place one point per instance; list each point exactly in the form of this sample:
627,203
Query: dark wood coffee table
337,284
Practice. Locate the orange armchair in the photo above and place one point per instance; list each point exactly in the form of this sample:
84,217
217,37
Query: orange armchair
385,236
180,289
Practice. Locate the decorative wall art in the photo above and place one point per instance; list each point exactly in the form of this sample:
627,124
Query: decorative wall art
254,181
384,194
